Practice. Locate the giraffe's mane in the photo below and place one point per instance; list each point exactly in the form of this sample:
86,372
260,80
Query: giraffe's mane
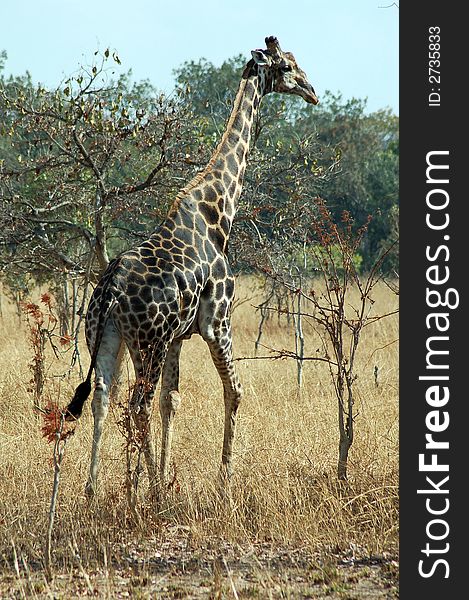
198,178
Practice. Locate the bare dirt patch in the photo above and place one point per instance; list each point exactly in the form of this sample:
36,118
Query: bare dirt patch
219,570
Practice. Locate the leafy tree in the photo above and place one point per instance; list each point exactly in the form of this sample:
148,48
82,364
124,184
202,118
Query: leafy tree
90,168
366,147
84,169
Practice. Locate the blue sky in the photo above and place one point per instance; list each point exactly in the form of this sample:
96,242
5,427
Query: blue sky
349,46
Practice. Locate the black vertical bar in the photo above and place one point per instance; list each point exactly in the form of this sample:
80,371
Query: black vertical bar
434,505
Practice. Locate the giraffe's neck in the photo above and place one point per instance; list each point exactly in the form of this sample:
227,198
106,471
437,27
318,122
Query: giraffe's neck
213,193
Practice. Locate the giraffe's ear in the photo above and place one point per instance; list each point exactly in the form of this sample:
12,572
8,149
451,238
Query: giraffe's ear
261,58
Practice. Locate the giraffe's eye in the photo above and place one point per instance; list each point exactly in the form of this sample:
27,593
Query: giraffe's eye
286,68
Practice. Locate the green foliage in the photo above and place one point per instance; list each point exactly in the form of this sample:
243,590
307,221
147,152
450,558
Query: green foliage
337,151
210,89
366,182
81,167
92,167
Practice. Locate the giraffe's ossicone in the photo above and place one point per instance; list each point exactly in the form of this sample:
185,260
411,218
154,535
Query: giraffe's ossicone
178,282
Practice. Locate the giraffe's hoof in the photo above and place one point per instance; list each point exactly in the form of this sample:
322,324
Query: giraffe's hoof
226,472
173,398
90,491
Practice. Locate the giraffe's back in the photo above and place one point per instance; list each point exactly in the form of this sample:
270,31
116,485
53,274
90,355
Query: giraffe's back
154,290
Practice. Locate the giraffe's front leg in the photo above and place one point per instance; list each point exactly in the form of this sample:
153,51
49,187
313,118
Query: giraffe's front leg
232,397
169,403
220,344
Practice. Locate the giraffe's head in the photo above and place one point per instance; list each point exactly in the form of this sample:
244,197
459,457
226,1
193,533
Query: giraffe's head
283,72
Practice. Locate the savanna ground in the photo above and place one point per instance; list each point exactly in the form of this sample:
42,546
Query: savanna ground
290,530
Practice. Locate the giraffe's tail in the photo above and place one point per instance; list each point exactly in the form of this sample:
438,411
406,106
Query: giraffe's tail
74,409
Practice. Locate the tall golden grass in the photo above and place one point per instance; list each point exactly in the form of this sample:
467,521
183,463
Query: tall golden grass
284,490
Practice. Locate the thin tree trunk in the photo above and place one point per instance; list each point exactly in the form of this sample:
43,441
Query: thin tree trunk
74,304
299,342
59,449
344,447
345,425
65,309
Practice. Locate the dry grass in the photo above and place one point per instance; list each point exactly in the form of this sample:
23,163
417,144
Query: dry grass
285,496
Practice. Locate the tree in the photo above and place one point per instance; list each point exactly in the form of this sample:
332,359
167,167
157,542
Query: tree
86,170
340,315
366,147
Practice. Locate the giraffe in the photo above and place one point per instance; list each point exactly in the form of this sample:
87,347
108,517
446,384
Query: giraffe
178,282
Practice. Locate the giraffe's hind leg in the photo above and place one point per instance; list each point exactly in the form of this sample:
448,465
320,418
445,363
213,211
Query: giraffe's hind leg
118,378
104,371
148,366
169,403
